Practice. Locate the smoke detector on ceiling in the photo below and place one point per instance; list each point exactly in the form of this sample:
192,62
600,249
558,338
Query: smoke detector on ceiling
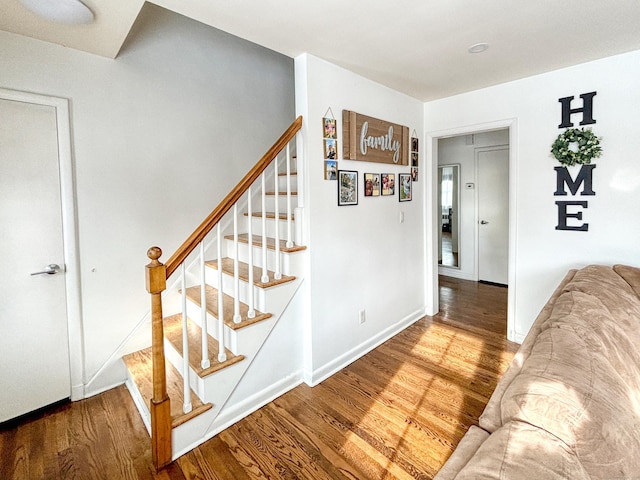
72,12
478,48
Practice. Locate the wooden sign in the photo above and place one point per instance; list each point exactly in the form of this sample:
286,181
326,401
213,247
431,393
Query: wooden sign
369,139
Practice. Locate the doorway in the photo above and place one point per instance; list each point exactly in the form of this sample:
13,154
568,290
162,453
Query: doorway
468,141
40,307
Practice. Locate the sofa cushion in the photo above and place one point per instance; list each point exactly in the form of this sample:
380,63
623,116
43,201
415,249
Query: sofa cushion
520,451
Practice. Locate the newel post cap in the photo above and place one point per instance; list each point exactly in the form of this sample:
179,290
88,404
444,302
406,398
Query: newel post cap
156,272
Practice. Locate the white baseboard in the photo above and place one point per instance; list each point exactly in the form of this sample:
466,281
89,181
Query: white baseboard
518,338
455,273
92,392
77,392
354,354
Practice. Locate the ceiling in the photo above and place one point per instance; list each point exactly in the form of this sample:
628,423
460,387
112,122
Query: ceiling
418,47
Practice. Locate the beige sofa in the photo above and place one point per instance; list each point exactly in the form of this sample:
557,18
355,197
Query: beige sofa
568,407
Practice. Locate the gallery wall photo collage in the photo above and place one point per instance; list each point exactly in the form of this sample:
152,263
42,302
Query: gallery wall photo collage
374,184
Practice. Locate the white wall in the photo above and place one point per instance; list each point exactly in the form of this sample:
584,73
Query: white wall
160,135
360,257
543,254
457,150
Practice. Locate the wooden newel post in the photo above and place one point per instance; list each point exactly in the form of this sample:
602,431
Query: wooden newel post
156,277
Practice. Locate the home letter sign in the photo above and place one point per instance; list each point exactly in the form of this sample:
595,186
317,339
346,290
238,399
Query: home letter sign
575,146
372,140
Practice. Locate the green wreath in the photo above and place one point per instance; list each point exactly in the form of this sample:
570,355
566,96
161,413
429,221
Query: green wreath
576,146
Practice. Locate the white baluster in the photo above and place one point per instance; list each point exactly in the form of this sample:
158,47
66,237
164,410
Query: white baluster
236,269
265,276
204,363
252,309
289,210
222,354
186,406
277,274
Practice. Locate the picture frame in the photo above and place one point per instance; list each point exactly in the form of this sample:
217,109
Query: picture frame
330,149
404,187
329,128
414,144
388,184
371,184
347,187
330,170
414,159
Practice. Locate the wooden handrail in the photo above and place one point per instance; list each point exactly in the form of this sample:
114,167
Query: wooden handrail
216,215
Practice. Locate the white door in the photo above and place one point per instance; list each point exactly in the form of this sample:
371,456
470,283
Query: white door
34,343
493,215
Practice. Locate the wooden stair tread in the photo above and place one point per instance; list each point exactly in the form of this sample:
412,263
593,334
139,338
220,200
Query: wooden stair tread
173,333
270,215
243,274
193,293
256,241
284,174
141,368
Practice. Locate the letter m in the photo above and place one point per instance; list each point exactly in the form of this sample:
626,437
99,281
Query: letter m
563,177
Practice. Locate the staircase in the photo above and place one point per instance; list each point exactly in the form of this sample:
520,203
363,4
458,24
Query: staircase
228,285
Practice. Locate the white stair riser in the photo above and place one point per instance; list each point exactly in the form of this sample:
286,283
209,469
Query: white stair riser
290,262
215,388
208,389
193,312
270,202
228,286
139,401
282,225
282,183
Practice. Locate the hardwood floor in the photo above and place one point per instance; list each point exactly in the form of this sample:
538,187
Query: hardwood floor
397,413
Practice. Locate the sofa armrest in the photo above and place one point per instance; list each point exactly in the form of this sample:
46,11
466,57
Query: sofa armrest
465,450
631,275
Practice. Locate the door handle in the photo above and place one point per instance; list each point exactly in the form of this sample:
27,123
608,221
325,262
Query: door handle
483,222
51,269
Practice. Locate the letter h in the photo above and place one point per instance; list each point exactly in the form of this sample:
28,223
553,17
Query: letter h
586,110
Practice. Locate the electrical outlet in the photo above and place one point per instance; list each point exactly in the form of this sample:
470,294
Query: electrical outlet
362,317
